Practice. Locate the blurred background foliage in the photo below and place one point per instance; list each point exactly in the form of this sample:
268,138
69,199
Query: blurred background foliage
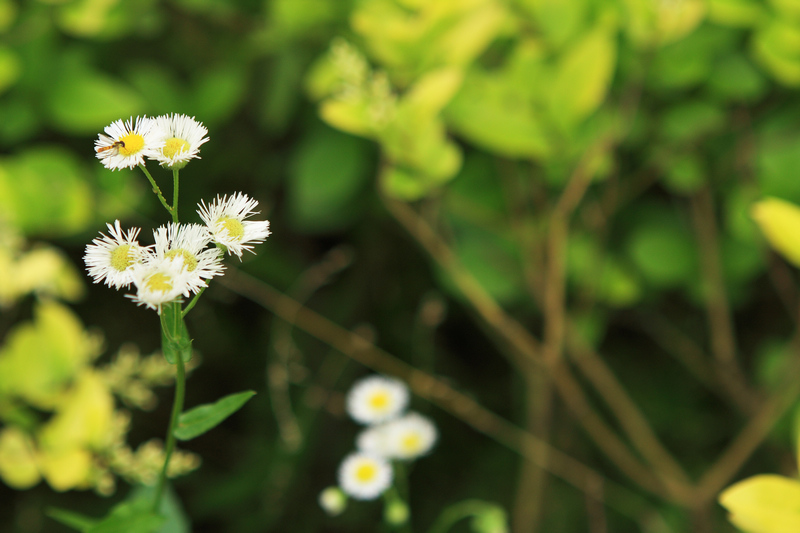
587,166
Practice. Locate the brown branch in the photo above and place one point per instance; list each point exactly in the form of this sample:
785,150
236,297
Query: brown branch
723,341
630,418
522,342
437,392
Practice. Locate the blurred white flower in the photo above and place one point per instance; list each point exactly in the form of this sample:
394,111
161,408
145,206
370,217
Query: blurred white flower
364,477
376,399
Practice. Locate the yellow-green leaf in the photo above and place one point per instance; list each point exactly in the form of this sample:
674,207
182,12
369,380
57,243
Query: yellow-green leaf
582,77
18,459
779,220
764,504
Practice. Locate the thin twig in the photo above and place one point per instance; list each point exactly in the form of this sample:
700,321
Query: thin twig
522,342
439,393
723,341
630,418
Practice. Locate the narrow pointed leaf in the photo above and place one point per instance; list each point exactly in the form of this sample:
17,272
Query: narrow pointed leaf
76,521
202,418
140,523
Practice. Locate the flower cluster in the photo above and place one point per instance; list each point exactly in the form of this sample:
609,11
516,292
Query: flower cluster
392,434
172,140
181,261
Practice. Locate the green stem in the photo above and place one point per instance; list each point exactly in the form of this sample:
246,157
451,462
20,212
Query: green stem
456,512
177,408
175,181
157,190
194,301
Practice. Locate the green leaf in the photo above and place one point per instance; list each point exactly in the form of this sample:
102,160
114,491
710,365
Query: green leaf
582,77
131,516
664,252
43,191
764,504
84,101
138,521
170,508
175,339
202,418
328,172
689,121
76,521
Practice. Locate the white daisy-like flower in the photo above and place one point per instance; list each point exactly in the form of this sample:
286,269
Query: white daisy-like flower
126,144
225,218
188,242
364,477
159,282
181,136
374,441
110,259
376,399
409,436
333,501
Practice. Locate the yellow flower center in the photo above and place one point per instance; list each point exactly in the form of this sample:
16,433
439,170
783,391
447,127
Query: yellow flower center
158,282
174,146
411,442
233,226
189,260
122,257
131,144
379,400
366,472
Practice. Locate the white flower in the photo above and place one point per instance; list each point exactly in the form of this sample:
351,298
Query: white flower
159,282
188,242
126,144
181,137
373,440
333,501
376,399
112,257
364,477
225,218
409,437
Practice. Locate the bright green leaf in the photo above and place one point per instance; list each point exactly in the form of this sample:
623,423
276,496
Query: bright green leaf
202,418
583,76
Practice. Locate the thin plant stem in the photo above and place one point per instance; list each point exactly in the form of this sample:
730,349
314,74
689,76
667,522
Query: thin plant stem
177,408
175,181
157,190
193,301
